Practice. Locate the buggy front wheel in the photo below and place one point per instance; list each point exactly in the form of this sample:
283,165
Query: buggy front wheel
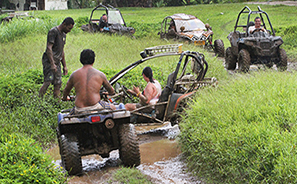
219,48
282,65
244,60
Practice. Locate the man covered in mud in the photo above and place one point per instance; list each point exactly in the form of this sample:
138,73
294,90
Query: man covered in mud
54,56
151,93
87,82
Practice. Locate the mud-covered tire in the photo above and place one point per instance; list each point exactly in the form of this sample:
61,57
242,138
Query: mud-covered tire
70,154
283,60
219,48
244,60
59,144
230,60
129,147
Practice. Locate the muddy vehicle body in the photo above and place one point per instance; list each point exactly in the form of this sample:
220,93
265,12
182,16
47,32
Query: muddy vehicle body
190,29
115,21
254,48
99,131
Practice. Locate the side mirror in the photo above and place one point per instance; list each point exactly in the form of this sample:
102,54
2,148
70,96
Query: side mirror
182,28
207,26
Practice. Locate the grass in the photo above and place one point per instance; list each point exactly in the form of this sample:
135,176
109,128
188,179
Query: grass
244,131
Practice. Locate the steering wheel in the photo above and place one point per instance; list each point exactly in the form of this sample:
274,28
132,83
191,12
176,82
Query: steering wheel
126,93
256,30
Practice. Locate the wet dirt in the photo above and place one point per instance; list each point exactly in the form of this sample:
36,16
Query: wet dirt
161,159
288,3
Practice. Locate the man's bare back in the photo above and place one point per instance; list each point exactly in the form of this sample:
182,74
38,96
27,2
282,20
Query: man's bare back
87,82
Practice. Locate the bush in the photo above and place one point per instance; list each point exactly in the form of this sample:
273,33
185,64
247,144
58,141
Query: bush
22,161
244,131
81,21
144,29
23,111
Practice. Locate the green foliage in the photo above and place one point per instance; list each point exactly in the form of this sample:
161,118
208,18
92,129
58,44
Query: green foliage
244,131
22,161
81,21
144,29
22,109
19,28
129,176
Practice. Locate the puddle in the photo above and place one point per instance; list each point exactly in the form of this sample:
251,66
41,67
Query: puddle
160,159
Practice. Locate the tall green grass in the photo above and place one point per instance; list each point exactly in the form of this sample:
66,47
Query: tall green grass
244,131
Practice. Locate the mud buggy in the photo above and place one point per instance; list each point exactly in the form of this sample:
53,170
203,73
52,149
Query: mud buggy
101,131
115,21
254,48
188,28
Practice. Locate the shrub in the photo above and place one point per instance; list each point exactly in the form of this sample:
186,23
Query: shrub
22,161
144,29
81,21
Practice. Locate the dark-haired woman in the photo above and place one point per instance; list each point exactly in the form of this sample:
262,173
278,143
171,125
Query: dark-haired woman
150,94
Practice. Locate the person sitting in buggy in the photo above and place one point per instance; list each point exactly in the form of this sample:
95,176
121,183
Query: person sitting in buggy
87,82
151,93
103,23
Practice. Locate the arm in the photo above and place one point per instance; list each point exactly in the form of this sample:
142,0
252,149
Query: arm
68,88
107,85
149,92
49,52
65,70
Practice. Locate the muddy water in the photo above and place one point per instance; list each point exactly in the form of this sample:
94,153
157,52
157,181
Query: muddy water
160,159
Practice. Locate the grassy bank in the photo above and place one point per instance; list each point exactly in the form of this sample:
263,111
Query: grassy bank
244,131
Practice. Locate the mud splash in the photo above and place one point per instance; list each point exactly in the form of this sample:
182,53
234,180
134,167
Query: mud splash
161,159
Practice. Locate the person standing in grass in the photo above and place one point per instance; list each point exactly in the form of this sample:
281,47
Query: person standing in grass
54,56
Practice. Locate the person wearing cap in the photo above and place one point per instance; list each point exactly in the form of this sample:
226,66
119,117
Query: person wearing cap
151,93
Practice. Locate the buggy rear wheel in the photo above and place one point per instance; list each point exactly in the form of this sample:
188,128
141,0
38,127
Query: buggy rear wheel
230,60
219,48
129,147
244,60
70,154
282,65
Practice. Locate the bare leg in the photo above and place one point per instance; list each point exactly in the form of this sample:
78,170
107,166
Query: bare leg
130,106
43,89
57,90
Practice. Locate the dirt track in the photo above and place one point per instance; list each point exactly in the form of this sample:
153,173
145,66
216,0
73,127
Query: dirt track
288,3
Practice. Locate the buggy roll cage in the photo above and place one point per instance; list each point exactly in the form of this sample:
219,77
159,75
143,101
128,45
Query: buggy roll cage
106,8
166,50
246,9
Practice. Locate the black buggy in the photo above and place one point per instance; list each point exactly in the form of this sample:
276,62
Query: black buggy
254,48
99,131
115,21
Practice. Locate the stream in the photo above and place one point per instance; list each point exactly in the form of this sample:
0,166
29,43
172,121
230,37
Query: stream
161,159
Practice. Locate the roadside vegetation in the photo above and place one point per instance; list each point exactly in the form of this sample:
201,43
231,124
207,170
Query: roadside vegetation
240,132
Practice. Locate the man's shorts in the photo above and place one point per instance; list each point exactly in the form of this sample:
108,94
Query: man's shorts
100,105
49,76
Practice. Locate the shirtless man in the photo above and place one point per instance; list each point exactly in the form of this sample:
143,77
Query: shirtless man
87,82
257,26
151,93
